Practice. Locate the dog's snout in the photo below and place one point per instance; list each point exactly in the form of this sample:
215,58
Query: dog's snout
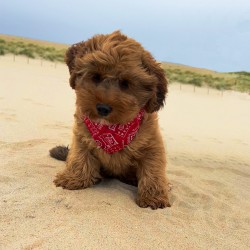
103,109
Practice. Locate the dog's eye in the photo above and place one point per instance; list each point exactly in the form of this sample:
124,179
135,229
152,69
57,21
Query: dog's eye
96,78
124,84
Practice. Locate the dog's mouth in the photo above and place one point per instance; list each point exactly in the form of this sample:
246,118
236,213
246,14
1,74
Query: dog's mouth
94,117
107,107
111,119
115,117
102,121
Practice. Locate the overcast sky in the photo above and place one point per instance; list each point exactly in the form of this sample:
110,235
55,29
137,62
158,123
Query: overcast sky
213,34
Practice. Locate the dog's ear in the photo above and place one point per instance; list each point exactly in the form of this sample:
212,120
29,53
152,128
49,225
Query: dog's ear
153,68
76,50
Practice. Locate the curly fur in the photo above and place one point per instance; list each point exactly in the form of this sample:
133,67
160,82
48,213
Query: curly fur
116,70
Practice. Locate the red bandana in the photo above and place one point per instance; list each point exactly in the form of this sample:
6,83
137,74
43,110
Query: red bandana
113,138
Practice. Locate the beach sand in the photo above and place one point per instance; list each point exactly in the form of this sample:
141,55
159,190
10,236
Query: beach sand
207,136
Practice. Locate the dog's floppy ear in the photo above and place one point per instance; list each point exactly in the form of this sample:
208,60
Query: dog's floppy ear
76,50
154,68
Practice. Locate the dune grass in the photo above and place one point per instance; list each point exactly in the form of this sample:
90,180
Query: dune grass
239,81
31,50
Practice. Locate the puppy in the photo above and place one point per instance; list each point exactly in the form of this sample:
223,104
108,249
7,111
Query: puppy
119,88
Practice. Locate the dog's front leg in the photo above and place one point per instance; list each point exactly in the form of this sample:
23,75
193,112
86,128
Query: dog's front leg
152,182
82,168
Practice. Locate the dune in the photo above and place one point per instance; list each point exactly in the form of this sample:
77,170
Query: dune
207,136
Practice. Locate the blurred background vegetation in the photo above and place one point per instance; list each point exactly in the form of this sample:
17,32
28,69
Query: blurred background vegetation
238,81
32,49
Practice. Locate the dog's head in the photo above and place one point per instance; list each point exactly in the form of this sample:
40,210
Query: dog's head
114,77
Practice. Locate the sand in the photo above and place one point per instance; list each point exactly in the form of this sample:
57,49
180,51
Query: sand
208,143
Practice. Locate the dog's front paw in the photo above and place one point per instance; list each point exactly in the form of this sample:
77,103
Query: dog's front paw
72,182
153,202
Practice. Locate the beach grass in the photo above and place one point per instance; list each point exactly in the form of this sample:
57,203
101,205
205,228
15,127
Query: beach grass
238,81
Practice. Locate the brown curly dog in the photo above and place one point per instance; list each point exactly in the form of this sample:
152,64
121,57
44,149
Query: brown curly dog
119,88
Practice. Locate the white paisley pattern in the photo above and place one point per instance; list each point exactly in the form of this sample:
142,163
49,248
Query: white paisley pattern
113,138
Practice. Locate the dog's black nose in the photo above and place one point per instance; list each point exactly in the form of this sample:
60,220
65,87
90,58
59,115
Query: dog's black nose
103,109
